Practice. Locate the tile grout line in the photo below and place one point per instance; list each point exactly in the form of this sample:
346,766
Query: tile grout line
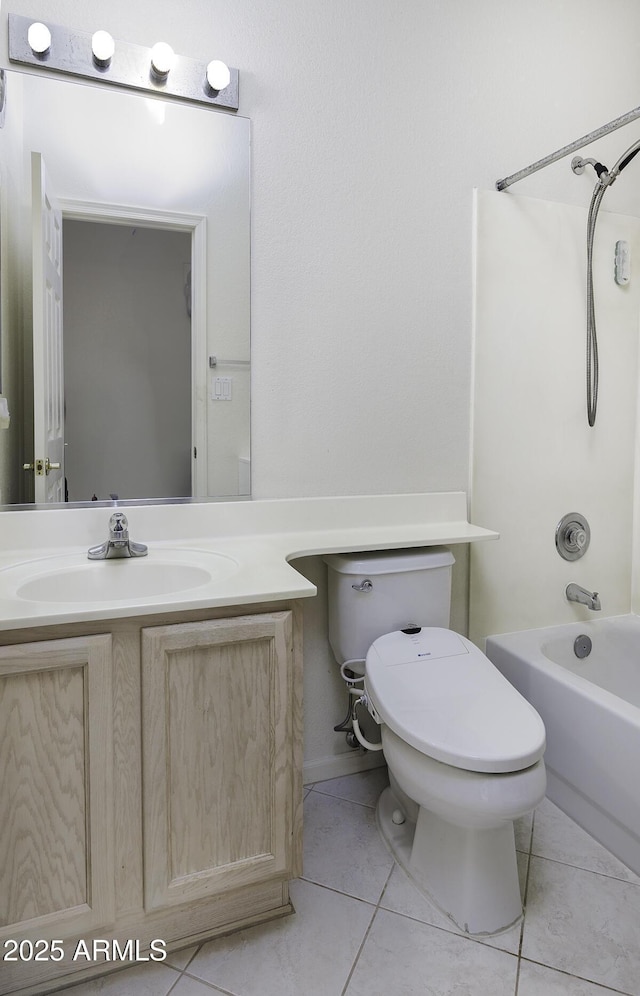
185,973
208,985
524,902
339,798
579,978
590,871
367,932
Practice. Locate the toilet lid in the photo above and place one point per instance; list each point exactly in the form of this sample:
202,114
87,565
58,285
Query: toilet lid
439,693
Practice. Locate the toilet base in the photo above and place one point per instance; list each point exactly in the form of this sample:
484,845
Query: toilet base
469,874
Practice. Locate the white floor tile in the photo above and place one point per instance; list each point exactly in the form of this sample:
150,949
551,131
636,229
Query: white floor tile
188,986
142,980
581,935
180,959
310,952
342,847
584,924
558,837
402,957
366,787
402,896
536,980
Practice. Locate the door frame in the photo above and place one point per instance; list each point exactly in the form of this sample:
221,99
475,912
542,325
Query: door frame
196,225
46,337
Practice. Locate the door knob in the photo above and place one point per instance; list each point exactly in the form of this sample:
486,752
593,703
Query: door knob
41,467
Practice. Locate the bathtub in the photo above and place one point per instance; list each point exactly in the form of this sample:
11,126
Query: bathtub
591,711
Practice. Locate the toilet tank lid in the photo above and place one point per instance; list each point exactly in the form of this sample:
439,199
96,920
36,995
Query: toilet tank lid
390,561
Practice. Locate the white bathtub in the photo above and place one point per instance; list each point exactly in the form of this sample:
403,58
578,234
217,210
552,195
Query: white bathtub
591,710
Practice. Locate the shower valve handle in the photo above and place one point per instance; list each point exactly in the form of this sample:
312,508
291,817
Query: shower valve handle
576,537
572,536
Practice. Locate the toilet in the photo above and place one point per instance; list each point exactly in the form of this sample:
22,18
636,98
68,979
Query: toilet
463,748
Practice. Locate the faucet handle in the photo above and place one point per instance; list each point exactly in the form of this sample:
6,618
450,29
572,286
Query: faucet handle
118,526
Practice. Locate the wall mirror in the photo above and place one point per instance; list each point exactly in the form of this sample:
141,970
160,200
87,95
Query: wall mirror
125,226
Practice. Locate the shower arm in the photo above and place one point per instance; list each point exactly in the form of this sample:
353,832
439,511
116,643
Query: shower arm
579,143
607,177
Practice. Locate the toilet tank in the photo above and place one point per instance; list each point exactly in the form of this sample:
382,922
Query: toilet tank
405,587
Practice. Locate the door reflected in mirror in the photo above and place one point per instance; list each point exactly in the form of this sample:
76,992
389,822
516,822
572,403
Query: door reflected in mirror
127,321
154,200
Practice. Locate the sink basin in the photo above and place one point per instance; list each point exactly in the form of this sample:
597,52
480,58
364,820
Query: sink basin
73,578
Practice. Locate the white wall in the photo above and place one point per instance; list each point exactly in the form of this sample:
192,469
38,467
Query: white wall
535,456
372,122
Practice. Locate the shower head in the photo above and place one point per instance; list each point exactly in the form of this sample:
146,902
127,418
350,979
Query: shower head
626,158
607,177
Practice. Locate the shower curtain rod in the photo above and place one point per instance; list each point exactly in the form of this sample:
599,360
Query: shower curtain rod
578,144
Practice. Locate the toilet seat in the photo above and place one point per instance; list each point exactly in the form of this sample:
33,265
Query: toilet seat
440,694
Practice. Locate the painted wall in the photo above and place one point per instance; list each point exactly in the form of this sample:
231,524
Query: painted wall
127,362
371,125
535,457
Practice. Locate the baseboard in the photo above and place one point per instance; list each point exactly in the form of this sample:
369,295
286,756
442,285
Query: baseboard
336,766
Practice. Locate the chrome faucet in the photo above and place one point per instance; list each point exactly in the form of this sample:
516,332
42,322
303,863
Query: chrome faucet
575,593
118,544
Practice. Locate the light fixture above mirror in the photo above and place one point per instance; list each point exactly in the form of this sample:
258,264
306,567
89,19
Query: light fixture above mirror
98,56
103,47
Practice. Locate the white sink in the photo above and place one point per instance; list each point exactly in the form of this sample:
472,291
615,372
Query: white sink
73,578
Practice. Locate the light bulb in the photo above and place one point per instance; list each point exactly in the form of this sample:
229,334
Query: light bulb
162,59
39,38
218,75
103,47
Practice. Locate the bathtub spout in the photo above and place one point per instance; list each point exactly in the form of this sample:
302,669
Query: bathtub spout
575,593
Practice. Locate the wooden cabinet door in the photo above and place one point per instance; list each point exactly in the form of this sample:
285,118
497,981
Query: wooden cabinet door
217,756
56,788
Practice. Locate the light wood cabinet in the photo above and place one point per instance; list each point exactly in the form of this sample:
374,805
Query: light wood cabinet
217,729
56,788
150,783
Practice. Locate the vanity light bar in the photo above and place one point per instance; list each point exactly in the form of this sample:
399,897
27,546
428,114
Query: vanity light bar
122,64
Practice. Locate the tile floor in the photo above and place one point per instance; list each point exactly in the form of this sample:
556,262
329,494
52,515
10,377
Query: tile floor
362,929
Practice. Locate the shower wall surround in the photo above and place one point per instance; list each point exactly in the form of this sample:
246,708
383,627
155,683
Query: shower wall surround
534,456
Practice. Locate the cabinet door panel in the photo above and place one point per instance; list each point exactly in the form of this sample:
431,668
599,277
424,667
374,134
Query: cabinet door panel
216,755
56,840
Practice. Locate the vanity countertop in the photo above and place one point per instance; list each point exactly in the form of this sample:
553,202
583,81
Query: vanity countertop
252,542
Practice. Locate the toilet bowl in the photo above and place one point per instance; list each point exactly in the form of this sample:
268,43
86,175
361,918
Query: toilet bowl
464,752
464,749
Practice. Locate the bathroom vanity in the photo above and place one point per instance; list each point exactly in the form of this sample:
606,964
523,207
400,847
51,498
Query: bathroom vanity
151,746
155,775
